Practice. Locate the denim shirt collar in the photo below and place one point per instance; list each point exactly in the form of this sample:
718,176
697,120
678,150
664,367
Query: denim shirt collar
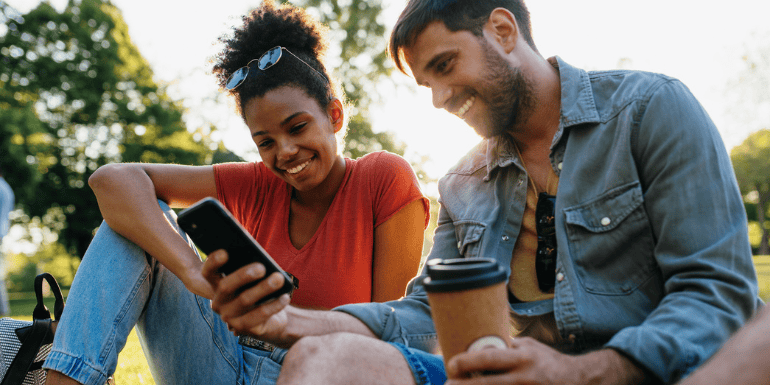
577,107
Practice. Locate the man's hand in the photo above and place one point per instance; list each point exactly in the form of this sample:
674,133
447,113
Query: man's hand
237,308
531,362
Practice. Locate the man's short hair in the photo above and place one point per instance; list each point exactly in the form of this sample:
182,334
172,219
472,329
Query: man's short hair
469,15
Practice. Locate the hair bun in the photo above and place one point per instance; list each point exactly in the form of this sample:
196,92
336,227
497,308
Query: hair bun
271,25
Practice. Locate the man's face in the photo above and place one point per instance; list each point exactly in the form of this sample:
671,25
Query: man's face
470,79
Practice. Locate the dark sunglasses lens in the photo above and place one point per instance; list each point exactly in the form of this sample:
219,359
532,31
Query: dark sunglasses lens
269,58
545,261
237,78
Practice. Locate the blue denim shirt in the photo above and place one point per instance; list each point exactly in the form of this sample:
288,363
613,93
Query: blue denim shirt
653,257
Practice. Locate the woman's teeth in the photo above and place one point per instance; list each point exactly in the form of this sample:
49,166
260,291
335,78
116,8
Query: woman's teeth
299,168
468,103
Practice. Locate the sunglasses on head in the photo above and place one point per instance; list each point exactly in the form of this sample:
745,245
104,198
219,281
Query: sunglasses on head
264,62
545,225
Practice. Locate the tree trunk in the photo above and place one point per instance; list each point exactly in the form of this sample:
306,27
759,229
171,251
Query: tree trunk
764,247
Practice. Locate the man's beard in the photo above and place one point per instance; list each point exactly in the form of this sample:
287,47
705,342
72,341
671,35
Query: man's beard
508,94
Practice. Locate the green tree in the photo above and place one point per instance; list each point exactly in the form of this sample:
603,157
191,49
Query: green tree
78,94
751,161
748,104
363,62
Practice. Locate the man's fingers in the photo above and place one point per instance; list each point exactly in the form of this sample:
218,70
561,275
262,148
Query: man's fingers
487,360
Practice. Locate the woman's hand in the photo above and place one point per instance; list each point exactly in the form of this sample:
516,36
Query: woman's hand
237,308
197,284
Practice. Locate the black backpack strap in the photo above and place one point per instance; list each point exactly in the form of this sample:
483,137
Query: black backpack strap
27,353
41,312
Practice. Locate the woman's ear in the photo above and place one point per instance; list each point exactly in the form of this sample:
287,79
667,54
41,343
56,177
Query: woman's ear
336,114
502,28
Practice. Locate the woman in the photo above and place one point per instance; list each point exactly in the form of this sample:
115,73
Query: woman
349,230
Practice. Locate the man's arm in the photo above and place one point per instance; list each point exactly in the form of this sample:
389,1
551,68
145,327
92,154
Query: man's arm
701,243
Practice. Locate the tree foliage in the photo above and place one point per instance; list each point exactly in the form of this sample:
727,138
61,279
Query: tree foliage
751,161
363,61
749,104
77,94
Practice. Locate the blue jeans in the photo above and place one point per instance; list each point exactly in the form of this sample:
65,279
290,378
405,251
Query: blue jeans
427,369
119,287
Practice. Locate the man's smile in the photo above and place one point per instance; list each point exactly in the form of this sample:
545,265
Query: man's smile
466,106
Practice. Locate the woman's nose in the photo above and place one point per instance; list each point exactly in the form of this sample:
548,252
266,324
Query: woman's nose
287,149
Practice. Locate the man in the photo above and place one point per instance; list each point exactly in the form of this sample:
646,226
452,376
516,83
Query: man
7,200
653,269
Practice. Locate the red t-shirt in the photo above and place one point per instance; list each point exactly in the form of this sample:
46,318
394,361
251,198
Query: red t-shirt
335,267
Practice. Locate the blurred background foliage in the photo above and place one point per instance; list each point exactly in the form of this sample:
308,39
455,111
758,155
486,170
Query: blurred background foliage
76,93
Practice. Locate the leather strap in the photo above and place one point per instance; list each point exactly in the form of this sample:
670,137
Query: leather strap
41,312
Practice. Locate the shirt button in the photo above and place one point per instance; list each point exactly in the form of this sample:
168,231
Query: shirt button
459,245
572,338
505,238
521,181
559,165
560,277
606,221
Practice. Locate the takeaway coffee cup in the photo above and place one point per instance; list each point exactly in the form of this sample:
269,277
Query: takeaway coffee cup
469,304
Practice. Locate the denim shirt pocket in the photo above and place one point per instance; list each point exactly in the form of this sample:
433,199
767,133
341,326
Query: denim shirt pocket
469,234
611,242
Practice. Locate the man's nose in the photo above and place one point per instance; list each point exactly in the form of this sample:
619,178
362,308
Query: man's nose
441,95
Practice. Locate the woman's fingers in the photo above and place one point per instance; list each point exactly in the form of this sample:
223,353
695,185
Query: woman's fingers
261,320
211,266
237,293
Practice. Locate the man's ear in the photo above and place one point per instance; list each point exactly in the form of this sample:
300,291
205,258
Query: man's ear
502,28
336,114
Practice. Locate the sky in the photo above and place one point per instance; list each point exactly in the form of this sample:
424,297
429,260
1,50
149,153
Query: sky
692,40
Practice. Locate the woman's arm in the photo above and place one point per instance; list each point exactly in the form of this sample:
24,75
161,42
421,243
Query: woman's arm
127,194
397,252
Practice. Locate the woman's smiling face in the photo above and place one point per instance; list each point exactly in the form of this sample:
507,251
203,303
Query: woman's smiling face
296,137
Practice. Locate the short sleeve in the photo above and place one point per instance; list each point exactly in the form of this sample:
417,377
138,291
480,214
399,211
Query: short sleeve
394,185
238,187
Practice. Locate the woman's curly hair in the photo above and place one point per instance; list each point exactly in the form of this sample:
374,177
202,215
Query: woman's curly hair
271,25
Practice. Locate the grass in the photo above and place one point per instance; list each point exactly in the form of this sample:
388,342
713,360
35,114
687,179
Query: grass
762,263
132,365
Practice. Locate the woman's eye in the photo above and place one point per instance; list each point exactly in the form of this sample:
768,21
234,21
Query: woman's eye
297,128
264,143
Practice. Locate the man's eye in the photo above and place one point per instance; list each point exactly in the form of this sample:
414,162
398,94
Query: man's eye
264,143
443,66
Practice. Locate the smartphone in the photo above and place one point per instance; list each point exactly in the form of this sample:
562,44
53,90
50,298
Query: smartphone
212,227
